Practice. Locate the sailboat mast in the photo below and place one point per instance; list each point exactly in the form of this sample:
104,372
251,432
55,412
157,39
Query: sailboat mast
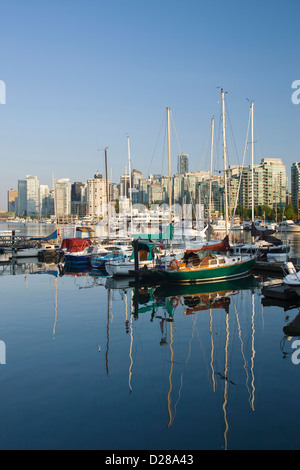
130,192
225,162
252,159
170,176
210,176
55,208
107,194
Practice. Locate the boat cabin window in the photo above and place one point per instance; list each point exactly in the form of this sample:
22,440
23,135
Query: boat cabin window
222,261
212,262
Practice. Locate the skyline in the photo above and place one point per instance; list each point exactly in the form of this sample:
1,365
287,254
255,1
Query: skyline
81,76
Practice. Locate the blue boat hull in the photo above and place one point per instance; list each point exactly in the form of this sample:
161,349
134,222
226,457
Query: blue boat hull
83,260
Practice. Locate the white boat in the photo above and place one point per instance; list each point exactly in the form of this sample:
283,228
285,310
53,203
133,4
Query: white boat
33,252
262,225
125,267
259,225
4,256
262,248
287,226
292,276
220,225
111,253
247,225
146,257
25,252
8,233
85,256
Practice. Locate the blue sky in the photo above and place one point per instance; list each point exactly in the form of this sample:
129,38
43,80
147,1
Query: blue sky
81,75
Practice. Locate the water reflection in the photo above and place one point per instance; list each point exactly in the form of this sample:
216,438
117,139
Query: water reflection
163,303
201,341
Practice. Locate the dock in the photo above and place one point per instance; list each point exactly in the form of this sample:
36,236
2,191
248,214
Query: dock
275,267
15,241
279,291
18,242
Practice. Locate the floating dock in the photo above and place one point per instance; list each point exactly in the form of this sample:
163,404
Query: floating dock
274,267
279,292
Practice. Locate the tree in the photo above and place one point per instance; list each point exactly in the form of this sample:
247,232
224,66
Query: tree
289,212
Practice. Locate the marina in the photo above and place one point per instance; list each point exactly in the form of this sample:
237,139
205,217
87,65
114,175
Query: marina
214,364
149,228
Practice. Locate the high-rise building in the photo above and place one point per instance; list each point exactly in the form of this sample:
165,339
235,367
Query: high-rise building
12,200
124,185
275,181
295,185
178,188
22,198
269,183
96,197
136,176
260,182
44,201
183,164
62,197
76,191
113,192
33,196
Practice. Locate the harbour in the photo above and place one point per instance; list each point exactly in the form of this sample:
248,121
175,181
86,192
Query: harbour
149,229
90,358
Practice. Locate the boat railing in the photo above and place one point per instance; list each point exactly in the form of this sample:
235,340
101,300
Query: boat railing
289,268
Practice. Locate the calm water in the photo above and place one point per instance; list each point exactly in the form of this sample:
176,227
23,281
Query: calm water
97,364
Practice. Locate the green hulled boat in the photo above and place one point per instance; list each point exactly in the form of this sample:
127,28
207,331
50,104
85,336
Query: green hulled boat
228,285
207,266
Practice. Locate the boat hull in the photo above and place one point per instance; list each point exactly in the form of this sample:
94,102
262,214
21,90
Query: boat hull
124,269
77,260
205,288
288,228
209,274
26,253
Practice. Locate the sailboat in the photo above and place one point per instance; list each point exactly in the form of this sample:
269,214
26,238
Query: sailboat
125,266
287,226
210,263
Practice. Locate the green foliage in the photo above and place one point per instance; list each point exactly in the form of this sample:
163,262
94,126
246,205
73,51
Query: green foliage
267,212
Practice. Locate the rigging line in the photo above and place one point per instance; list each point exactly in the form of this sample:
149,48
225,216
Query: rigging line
175,133
164,149
163,120
257,132
232,132
217,146
241,173
205,147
